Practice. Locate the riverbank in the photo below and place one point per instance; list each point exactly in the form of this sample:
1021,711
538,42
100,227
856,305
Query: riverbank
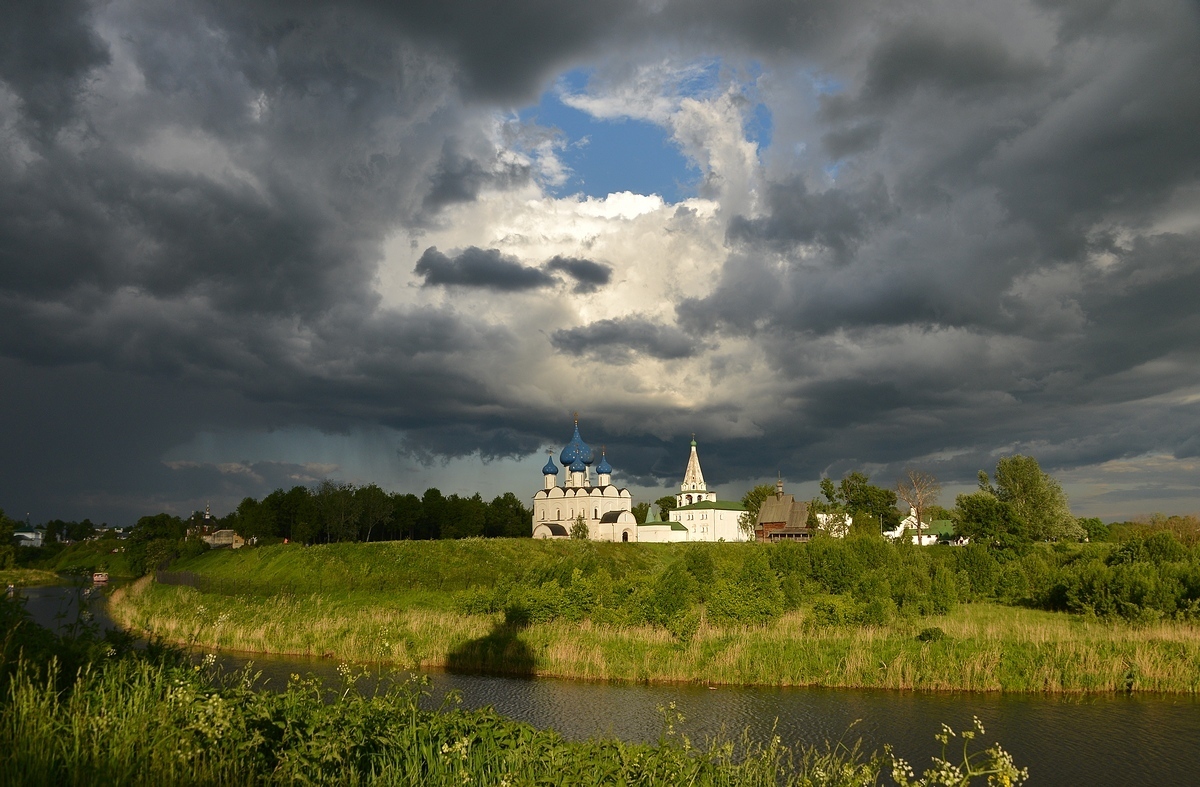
982,646
29,577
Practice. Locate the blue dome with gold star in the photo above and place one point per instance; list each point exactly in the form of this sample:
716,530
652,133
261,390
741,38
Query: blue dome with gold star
576,451
550,468
604,468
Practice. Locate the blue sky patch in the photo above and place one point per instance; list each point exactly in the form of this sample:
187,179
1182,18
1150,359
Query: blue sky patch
608,156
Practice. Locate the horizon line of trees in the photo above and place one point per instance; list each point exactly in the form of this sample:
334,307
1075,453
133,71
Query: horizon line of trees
335,512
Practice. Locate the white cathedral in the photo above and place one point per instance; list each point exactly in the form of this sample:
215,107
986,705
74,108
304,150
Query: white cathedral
607,510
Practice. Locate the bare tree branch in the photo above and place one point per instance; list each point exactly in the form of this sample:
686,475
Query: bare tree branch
920,490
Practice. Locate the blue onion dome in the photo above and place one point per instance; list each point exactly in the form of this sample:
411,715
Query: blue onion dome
604,467
578,466
550,468
576,450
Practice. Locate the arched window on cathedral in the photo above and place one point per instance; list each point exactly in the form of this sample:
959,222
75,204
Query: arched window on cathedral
596,514
558,513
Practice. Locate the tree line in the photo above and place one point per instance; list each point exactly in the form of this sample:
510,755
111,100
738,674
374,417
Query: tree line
334,512
1018,503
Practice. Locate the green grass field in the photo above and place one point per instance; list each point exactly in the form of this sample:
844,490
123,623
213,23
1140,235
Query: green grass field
396,603
25,577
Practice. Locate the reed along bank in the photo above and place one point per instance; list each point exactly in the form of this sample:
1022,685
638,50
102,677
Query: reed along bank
855,613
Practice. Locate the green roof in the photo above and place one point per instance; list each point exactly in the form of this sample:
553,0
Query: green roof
724,505
677,526
937,527
943,527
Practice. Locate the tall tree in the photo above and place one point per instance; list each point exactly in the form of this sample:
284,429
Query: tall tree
406,515
752,501
920,490
256,519
859,501
640,512
339,510
375,509
433,512
1037,498
464,517
988,520
508,517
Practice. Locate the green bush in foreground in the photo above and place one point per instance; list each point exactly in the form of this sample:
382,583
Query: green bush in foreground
148,717
133,721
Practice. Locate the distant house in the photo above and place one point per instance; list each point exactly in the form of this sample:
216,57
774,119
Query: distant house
224,538
939,531
29,537
782,518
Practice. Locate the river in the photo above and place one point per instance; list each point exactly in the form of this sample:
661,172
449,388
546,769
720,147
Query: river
1109,739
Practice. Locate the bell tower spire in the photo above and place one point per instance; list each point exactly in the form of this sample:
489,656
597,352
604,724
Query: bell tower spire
693,489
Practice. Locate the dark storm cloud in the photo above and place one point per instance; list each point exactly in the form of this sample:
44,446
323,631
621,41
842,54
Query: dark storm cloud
194,199
836,219
589,276
616,341
967,65
459,178
47,50
476,267
851,140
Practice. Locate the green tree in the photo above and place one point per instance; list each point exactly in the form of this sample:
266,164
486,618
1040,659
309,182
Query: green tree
339,510
1037,498
640,512
752,501
464,517
579,528
375,509
158,526
433,512
1095,529
860,500
8,551
255,519
507,516
666,505
988,520
407,513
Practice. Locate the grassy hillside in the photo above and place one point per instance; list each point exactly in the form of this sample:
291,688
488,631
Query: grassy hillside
602,611
438,566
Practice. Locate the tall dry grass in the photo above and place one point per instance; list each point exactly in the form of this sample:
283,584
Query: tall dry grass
986,647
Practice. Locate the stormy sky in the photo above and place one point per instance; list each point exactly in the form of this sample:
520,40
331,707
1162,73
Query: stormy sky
249,245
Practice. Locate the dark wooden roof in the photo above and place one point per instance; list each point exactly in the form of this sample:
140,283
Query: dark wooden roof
783,509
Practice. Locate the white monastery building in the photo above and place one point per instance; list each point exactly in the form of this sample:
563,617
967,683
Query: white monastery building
704,517
608,510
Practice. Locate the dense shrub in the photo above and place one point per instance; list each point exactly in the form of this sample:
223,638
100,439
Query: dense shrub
752,597
1140,580
981,568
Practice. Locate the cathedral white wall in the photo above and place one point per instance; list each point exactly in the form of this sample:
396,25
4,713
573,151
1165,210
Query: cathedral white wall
560,505
711,524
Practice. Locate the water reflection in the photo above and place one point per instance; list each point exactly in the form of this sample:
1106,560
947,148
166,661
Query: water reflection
1084,740
1080,740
